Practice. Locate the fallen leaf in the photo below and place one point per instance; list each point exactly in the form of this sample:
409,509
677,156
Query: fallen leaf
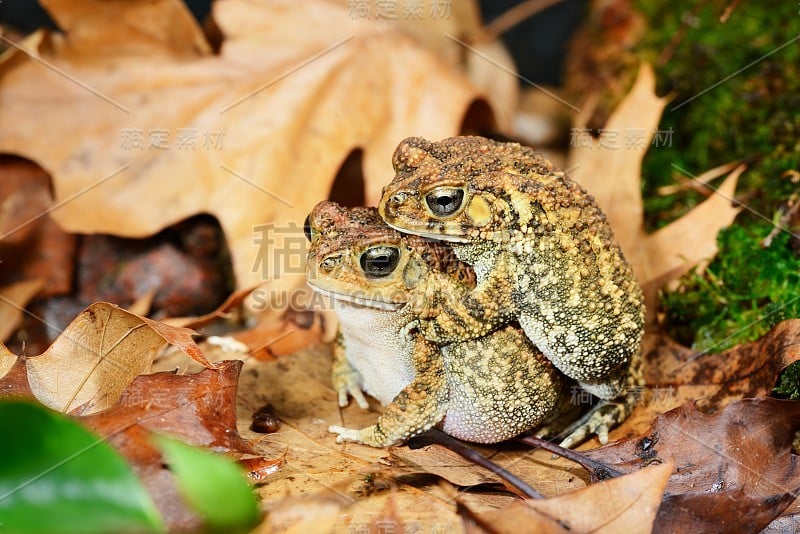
255,134
32,246
25,190
610,169
443,463
300,515
748,370
259,469
298,387
13,299
13,379
734,469
223,311
198,409
675,374
92,362
624,504
143,304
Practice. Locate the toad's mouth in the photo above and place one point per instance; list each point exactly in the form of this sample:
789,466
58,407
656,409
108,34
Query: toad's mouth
431,235
358,300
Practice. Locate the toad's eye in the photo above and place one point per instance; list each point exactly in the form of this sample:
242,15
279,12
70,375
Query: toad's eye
307,227
445,201
378,262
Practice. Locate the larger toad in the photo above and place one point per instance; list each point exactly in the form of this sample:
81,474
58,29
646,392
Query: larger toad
543,253
484,390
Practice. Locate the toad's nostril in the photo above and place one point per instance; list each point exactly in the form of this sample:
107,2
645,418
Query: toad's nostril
397,198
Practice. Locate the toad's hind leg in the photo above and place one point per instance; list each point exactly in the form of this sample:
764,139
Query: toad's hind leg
608,413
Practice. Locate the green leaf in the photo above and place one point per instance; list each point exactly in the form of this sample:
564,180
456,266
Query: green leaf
214,486
57,477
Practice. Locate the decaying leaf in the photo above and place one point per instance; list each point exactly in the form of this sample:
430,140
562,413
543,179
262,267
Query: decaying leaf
610,168
675,374
13,299
32,246
625,504
748,370
734,470
254,135
199,409
92,362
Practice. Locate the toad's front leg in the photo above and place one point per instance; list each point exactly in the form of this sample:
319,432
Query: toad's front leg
419,406
459,316
346,380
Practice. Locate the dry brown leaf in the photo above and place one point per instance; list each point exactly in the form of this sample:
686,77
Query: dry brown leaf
491,68
625,504
7,361
692,238
292,515
160,27
223,311
675,374
199,409
92,362
144,303
610,168
13,300
295,88
747,370
32,246
735,469
25,193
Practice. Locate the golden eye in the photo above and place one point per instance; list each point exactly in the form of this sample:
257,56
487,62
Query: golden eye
445,201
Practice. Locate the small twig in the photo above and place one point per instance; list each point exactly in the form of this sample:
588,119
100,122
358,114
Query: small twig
728,10
598,470
784,222
468,453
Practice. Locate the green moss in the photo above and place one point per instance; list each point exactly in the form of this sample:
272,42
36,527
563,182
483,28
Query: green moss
741,295
789,382
752,116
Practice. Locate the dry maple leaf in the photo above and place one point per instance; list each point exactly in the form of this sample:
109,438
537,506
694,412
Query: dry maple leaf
625,504
735,469
92,362
610,168
254,135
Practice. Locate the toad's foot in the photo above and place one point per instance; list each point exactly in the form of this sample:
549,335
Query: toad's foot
597,422
374,436
345,434
348,383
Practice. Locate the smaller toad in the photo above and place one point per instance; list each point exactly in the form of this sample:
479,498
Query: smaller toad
484,390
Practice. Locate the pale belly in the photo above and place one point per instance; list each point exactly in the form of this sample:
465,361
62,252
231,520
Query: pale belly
377,347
